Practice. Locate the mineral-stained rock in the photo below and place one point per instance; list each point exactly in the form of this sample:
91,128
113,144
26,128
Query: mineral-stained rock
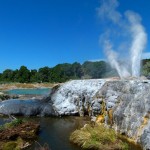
124,103
131,112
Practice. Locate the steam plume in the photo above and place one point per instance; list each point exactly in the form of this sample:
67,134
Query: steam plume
112,57
127,27
139,41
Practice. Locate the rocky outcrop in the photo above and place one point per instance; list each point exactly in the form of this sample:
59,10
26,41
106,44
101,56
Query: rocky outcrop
76,97
130,103
123,104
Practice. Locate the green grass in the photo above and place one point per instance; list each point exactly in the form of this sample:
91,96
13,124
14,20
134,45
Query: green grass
97,137
12,124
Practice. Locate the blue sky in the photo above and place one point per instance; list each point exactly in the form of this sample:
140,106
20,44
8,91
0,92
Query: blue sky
38,33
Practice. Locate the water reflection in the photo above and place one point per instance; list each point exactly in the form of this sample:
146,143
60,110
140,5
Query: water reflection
56,131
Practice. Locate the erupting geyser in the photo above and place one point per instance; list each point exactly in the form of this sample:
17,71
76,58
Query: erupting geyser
138,44
132,39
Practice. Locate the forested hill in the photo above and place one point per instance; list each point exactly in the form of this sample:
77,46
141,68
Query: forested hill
64,72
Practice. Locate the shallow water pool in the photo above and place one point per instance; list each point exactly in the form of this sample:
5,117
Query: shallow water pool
38,91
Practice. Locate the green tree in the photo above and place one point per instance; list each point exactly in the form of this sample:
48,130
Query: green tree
44,74
24,74
64,72
34,76
15,76
57,74
7,75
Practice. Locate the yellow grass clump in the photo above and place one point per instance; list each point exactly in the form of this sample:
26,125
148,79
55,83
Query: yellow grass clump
98,138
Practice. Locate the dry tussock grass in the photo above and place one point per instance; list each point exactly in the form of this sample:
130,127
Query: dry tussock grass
97,137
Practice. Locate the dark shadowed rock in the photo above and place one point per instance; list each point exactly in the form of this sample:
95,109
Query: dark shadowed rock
26,107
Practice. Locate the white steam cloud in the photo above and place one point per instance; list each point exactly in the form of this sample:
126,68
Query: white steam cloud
130,32
113,57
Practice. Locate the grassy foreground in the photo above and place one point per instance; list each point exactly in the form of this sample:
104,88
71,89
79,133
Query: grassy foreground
98,138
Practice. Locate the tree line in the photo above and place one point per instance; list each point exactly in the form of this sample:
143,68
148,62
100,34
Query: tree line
63,72
59,73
